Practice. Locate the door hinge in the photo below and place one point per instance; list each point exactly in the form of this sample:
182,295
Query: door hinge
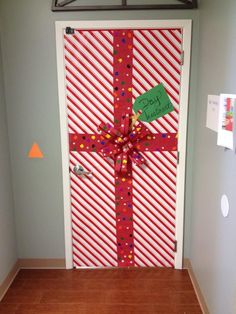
182,57
70,31
178,157
175,247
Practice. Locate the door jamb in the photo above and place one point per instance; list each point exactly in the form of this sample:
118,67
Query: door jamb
186,25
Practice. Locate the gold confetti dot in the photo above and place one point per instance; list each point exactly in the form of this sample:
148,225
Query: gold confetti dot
108,136
93,137
130,89
120,60
123,179
129,256
81,146
124,161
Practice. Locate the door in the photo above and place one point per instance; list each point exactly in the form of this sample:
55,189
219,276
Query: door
124,213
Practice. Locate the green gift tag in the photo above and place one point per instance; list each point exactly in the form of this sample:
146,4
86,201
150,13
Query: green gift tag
154,104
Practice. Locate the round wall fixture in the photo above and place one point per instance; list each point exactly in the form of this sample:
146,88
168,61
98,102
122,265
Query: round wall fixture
224,205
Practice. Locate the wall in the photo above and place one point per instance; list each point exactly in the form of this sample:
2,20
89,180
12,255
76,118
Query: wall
7,225
213,249
29,55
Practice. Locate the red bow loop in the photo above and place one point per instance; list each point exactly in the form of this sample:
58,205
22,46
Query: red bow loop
120,144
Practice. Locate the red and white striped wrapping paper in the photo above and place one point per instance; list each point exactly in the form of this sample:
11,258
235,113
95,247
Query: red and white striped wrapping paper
105,71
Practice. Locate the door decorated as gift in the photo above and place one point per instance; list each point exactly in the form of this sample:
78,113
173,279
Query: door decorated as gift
123,163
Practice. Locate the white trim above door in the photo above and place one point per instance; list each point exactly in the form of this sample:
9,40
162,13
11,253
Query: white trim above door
185,25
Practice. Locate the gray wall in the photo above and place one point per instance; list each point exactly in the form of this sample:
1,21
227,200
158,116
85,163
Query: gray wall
7,225
213,248
29,55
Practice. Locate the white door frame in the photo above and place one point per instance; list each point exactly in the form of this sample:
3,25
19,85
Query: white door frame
186,25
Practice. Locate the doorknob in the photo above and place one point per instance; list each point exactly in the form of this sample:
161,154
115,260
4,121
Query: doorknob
79,171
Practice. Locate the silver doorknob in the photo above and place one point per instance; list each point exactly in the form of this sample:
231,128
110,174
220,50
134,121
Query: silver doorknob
79,171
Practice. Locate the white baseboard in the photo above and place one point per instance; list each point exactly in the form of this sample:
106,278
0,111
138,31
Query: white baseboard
201,299
42,263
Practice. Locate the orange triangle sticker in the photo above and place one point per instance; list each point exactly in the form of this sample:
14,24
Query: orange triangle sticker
35,152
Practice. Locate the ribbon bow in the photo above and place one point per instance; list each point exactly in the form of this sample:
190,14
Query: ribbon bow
121,145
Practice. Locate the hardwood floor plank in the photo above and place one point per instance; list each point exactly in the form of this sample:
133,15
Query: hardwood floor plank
94,284
105,309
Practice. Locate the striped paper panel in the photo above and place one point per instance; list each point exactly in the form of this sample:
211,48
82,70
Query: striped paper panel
90,81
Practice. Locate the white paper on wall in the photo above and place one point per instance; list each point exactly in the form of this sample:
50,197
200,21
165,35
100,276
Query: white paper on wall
213,112
226,120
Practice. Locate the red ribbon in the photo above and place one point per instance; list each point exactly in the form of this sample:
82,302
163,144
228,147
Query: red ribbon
121,144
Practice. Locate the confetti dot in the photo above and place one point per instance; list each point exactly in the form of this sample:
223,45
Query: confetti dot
120,60
81,146
93,137
123,179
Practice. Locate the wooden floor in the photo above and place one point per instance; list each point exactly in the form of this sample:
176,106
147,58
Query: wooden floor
110,291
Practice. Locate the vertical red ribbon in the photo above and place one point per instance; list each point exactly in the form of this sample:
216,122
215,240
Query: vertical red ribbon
123,56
